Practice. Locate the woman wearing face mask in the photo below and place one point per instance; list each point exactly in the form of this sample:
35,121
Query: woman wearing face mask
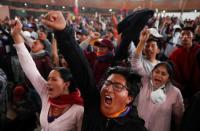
62,106
174,42
158,99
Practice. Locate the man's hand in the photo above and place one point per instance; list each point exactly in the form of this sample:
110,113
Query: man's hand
144,35
54,20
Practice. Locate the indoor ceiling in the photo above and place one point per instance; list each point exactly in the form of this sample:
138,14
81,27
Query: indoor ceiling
171,5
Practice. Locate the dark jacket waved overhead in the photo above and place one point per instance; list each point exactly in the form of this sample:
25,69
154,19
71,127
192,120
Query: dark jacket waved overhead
93,119
130,28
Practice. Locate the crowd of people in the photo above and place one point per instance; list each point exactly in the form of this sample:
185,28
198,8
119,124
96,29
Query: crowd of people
100,73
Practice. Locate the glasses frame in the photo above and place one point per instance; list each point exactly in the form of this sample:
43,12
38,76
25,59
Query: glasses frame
118,87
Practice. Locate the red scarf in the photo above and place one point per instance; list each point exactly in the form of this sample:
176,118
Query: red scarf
62,101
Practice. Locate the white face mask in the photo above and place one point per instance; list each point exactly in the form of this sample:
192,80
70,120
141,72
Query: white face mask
158,96
176,37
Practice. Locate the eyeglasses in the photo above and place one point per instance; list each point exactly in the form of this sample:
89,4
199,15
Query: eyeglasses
118,87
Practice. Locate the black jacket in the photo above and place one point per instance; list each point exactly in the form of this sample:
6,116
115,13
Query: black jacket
191,117
130,28
93,119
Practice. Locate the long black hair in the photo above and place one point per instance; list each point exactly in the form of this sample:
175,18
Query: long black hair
66,75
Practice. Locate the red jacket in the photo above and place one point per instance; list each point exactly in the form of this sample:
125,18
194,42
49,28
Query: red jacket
187,71
99,64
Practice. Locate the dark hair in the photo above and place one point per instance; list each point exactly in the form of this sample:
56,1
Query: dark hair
60,60
177,30
66,75
24,85
170,69
133,80
42,42
157,40
188,28
43,29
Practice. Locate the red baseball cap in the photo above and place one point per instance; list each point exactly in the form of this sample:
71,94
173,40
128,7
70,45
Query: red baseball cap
104,43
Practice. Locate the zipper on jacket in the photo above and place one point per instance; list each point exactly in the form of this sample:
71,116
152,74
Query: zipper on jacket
107,122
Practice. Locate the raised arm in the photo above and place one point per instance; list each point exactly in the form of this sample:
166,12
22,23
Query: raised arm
73,54
54,52
26,60
136,61
144,36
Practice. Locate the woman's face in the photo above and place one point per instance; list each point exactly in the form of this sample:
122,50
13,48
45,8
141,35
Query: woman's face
114,95
56,85
160,76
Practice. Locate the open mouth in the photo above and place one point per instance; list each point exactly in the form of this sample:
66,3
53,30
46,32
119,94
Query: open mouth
157,81
108,100
50,90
